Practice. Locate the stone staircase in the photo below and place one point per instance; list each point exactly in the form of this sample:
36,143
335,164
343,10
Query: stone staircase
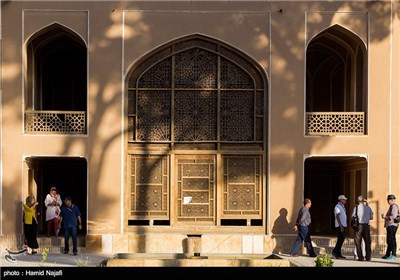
324,244
56,244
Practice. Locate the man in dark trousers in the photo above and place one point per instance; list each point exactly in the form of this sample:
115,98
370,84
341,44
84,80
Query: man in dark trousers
71,218
302,226
391,227
340,225
364,214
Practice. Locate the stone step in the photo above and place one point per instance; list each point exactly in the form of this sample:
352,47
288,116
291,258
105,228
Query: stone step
58,250
324,245
59,241
56,244
328,250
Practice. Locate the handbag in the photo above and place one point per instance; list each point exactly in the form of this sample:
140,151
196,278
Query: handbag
397,219
354,221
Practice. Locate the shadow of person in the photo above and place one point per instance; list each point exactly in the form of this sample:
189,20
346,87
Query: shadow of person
19,209
280,227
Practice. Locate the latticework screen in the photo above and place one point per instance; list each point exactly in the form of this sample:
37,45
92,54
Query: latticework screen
335,123
196,189
195,101
149,187
198,92
48,122
242,187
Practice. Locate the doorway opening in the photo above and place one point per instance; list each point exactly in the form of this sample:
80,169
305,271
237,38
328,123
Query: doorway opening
67,174
325,178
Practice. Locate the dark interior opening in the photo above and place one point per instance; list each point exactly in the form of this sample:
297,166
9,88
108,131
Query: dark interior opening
58,68
69,175
138,222
325,179
233,222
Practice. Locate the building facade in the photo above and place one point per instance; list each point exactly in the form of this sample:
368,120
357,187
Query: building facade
209,119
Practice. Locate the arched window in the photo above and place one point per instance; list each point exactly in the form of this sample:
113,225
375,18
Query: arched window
336,83
197,92
56,91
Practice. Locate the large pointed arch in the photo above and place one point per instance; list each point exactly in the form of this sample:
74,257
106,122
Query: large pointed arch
198,62
198,102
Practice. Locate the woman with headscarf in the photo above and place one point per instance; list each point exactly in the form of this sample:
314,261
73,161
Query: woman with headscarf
30,223
53,203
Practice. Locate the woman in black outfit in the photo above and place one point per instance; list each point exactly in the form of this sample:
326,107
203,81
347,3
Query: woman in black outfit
30,223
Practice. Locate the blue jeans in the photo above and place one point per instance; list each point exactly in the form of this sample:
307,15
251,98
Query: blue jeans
74,233
303,235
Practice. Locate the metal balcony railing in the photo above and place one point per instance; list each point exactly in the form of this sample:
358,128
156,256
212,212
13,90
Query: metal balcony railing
55,122
335,123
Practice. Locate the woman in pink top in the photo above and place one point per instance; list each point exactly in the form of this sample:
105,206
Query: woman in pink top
53,203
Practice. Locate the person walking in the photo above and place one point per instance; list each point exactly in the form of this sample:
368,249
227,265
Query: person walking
53,203
340,225
391,227
71,218
363,233
30,224
303,226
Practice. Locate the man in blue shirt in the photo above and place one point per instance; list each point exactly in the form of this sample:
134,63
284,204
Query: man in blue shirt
71,218
363,232
303,225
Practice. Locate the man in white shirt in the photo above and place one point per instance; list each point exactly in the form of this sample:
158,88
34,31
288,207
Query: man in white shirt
340,225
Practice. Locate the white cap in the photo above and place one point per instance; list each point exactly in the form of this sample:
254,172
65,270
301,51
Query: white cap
342,197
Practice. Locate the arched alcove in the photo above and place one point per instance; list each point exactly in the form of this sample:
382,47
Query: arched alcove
56,83
336,83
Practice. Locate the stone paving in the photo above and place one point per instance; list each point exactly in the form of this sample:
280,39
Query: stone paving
376,261
59,266
54,260
96,260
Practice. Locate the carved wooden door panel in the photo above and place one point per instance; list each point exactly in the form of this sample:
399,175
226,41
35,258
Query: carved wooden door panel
242,192
149,188
195,183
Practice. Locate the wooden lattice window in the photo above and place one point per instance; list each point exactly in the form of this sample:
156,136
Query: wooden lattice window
196,95
196,181
242,187
149,187
196,91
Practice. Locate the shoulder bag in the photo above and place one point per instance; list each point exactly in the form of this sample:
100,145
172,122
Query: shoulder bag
354,220
397,219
